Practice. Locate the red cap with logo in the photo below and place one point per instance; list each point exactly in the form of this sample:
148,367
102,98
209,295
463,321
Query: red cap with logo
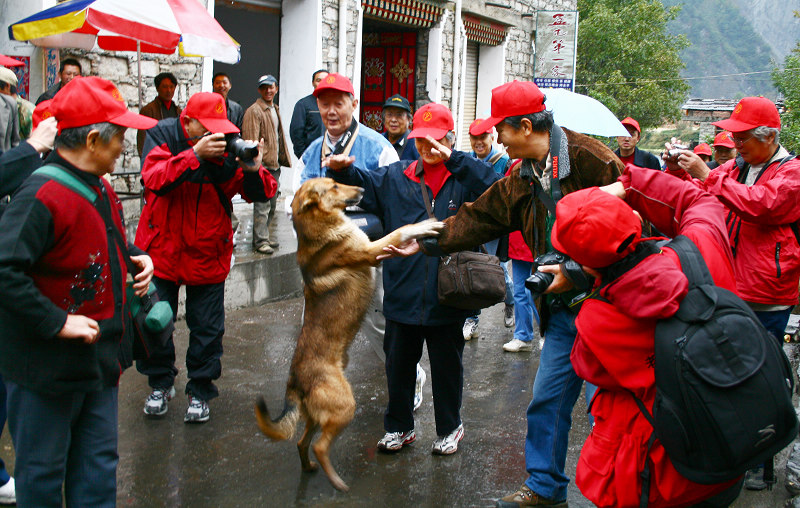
477,129
595,228
724,139
89,100
702,149
335,82
751,112
513,99
41,112
633,123
209,109
432,120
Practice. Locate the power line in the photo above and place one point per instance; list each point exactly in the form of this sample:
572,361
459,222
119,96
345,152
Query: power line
690,78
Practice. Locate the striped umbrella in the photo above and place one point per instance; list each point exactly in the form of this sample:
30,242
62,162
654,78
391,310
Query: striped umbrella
159,26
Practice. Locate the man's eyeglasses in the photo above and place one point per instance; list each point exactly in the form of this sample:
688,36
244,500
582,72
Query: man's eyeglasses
739,141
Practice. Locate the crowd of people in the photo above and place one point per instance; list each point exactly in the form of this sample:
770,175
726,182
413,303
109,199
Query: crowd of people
527,187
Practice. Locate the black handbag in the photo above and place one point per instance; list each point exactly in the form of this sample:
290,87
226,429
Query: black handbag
467,280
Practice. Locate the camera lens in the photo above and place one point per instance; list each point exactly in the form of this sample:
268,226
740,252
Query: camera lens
245,150
538,283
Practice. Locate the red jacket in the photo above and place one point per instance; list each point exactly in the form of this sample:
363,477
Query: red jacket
766,252
614,346
184,225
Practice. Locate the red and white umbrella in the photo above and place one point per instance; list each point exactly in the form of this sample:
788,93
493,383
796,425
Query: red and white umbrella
7,61
152,26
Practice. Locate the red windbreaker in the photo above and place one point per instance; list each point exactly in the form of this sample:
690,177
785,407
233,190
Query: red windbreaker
614,346
766,252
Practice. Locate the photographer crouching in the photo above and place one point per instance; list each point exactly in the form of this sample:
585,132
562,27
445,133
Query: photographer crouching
192,167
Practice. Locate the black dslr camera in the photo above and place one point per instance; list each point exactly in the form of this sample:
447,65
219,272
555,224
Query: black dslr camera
538,282
245,150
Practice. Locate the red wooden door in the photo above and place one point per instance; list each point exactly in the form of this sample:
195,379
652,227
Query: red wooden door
389,68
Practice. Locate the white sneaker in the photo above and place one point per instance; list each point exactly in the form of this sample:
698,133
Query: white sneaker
516,345
421,377
8,493
156,402
470,329
393,441
197,412
448,445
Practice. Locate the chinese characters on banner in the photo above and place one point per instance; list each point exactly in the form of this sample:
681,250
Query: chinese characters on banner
555,45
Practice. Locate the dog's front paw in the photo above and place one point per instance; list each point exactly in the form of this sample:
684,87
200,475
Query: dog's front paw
428,227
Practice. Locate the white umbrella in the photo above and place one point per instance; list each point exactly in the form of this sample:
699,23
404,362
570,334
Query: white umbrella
582,113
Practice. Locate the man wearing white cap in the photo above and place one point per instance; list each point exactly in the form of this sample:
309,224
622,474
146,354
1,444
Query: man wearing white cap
262,120
9,117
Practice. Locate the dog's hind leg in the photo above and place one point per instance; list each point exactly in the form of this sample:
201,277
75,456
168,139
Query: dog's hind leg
323,446
304,443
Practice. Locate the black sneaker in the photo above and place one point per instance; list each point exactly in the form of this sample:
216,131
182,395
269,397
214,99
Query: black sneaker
754,479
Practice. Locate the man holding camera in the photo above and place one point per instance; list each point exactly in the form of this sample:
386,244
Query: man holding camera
190,173
555,161
262,120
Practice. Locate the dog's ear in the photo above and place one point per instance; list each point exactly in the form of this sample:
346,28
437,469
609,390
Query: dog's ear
310,200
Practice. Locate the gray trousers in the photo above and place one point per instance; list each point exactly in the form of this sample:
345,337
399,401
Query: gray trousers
263,214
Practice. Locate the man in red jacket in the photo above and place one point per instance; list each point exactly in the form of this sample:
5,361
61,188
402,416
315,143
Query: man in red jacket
759,189
189,181
616,331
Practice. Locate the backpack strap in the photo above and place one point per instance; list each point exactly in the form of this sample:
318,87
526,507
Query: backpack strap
692,262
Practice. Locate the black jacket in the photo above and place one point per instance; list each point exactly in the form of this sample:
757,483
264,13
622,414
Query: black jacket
306,125
643,159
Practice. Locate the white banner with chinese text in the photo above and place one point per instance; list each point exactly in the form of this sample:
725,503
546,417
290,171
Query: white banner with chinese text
555,46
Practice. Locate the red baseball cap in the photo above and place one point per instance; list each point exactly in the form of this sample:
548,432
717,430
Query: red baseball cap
335,82
475,128
513,99
41,112
751,112
89,100
724,139
432,120
209,109
595,228
633,123
703,149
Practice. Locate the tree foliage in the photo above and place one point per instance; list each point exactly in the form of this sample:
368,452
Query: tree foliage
787,81
628,60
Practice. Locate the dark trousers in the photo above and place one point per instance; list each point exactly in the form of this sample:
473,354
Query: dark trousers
4,476
69,439
774,321
403,347
205,316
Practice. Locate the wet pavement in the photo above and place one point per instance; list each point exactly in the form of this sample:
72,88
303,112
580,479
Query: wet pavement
227,462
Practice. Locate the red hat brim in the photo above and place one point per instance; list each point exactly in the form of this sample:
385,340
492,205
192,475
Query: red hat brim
218,125
734,125
433,132
134,121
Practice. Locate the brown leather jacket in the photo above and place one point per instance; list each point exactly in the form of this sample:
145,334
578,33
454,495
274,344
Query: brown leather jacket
506,205
257,124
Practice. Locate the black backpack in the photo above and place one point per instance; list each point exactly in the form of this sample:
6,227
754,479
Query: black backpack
723,400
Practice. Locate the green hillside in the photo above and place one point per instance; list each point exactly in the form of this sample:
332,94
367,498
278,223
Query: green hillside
723,42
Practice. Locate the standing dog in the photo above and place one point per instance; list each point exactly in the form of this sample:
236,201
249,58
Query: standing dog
336,260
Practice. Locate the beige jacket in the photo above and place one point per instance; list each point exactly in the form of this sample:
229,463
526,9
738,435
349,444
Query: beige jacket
257,124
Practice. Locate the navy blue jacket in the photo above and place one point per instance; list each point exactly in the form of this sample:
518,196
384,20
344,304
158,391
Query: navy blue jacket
392,193
406,148
306,124
643,159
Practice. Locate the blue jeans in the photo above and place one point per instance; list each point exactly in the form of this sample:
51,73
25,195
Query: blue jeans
4,476
491,248
68,439
523,303
555,391
774,321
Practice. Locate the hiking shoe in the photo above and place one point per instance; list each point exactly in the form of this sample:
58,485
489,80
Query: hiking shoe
156,403
448,445
516,345
508,316
273,243
393,441
8,493
470,329
421,377
754,479
526,497
264,249
197,412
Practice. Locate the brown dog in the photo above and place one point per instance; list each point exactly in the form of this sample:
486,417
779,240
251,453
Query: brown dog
336,260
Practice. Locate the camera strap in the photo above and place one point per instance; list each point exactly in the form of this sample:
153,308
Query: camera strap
343,146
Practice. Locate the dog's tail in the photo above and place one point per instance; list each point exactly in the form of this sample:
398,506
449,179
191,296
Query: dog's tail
282,427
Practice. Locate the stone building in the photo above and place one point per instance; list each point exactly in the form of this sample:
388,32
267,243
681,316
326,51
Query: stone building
453,52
